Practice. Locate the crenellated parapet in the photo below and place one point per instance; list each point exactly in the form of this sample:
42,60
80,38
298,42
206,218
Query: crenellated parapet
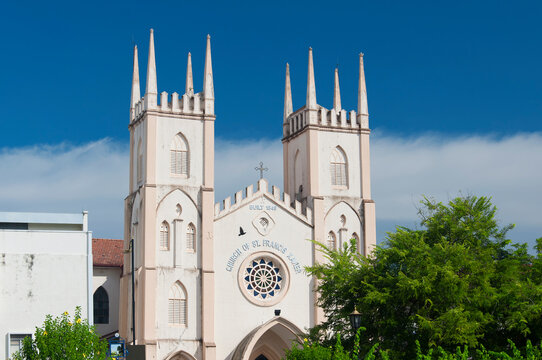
313,114
247,195
342,119
189,103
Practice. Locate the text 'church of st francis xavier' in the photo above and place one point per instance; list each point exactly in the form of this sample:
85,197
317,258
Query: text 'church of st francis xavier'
210,278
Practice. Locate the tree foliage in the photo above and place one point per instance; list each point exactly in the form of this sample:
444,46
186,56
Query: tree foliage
456,281
315,351
62,338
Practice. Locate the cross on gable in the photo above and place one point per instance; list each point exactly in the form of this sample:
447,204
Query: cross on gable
261,169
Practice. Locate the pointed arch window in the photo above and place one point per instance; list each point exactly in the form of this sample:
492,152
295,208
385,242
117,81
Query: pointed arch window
101,306
191,237
358,245
331,241
139,164
338,168
164,236
179,156
298,176
177,308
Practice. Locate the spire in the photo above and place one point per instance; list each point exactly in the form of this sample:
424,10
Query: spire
151,91
136,95
337,93
208,87
362,90
288,108
189,79
311,89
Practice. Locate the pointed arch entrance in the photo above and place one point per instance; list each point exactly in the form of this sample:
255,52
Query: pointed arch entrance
181,355
268,341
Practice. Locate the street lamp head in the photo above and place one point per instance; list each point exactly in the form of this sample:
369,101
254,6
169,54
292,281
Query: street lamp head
355,320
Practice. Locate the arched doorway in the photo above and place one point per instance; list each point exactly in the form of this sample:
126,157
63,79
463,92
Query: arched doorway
181,355
268,341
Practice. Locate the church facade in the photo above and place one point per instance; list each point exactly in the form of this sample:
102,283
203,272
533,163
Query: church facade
226,280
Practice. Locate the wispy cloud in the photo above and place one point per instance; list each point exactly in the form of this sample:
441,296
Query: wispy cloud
94,176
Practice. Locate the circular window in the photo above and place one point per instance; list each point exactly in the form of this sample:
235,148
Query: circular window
263,279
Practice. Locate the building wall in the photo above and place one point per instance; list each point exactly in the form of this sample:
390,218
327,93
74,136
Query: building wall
109,279
287,239
41,272
192,130
349,143
177,264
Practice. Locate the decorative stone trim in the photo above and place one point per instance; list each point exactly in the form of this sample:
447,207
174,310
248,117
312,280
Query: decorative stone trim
263,279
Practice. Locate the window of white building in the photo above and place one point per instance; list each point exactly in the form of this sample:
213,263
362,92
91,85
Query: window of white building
331,240
191,237
16,343
177,310
179,156
139,162
164,236
338,168
358,245
101,306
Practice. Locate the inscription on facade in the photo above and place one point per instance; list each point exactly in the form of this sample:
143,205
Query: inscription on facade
256,244
262,207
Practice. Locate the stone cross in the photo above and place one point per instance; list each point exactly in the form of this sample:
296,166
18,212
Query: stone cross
261,169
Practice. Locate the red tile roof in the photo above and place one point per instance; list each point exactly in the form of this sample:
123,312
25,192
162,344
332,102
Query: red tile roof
107,252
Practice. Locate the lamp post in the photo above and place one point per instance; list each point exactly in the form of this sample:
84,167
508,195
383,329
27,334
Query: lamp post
355,320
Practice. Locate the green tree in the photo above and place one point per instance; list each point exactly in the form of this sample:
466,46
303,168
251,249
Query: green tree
456,281
63,338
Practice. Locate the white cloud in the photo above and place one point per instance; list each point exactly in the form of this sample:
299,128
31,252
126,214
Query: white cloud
235,164
66,178
94,176
508,169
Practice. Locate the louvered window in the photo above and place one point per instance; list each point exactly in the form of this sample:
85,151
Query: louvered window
356,238
139,164
16,343
331,240
179,162
338,168
359,243
179,156
177,309
191,238
164,236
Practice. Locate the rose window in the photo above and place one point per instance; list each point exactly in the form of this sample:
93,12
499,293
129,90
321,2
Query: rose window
262,279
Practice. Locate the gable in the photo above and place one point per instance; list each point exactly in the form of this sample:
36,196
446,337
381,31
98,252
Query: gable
264,201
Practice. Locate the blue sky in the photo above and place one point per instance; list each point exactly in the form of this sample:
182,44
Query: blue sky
439,77
458,68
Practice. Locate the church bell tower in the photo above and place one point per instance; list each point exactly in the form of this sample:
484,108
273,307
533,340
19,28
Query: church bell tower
327,163
169,217
327,166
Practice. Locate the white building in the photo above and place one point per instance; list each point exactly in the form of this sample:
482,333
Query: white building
45,268
107,255
209,277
